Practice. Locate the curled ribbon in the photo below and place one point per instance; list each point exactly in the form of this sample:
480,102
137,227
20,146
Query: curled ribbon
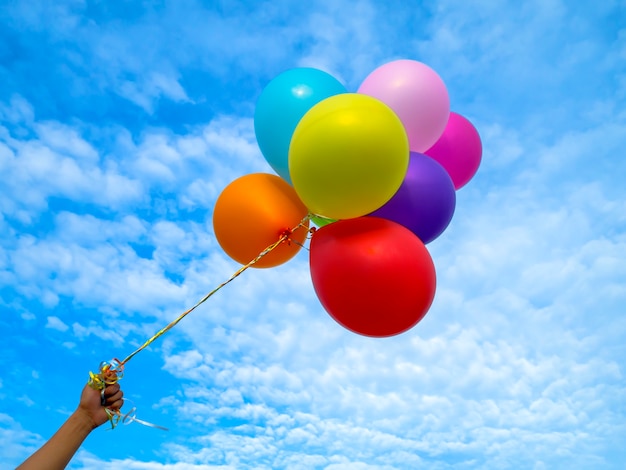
116,417
111,372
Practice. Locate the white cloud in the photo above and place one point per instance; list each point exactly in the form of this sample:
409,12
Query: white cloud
105,333
28,316
19,443
60,164
91,231
87,461
17,111
56,323
150,89
402,398
65,140
26,400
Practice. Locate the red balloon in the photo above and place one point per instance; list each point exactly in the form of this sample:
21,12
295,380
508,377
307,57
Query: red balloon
373,276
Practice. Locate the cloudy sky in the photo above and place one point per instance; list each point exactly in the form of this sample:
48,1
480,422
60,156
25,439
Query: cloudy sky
121,123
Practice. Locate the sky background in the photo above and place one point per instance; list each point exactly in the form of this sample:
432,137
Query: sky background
122,121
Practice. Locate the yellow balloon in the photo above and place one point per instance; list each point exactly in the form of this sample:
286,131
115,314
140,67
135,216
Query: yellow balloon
348,156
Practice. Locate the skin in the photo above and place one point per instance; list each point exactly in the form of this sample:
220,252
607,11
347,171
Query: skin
91,413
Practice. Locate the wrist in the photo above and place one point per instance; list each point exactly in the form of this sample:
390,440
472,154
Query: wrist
83,420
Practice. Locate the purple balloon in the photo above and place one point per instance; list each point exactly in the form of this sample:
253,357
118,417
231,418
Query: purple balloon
425,201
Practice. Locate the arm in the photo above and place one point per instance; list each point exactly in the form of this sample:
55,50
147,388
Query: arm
59,450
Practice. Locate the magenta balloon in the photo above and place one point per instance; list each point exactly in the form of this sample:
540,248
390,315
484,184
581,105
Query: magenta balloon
426,199
459,150
417,95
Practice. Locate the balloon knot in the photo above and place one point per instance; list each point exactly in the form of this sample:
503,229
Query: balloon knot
285,235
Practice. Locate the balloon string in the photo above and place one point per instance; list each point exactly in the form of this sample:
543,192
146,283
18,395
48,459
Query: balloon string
285,236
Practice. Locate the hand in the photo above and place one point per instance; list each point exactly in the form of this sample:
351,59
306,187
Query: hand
91,405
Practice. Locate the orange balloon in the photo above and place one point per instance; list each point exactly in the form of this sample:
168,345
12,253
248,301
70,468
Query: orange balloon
252,213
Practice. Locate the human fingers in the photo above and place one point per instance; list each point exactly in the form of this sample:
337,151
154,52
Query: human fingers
113,397
111,390
116,405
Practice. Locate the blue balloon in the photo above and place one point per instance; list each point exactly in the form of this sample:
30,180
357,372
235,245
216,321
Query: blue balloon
280,107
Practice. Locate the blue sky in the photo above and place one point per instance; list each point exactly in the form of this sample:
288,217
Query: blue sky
120,124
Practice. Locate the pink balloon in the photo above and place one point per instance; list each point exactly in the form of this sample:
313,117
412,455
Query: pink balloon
417,95
459,150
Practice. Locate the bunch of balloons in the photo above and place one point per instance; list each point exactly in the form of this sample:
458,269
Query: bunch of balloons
377,170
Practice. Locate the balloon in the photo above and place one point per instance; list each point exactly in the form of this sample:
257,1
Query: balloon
459,150
280,107
253,212
426,199
417,94
372,275
348,156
